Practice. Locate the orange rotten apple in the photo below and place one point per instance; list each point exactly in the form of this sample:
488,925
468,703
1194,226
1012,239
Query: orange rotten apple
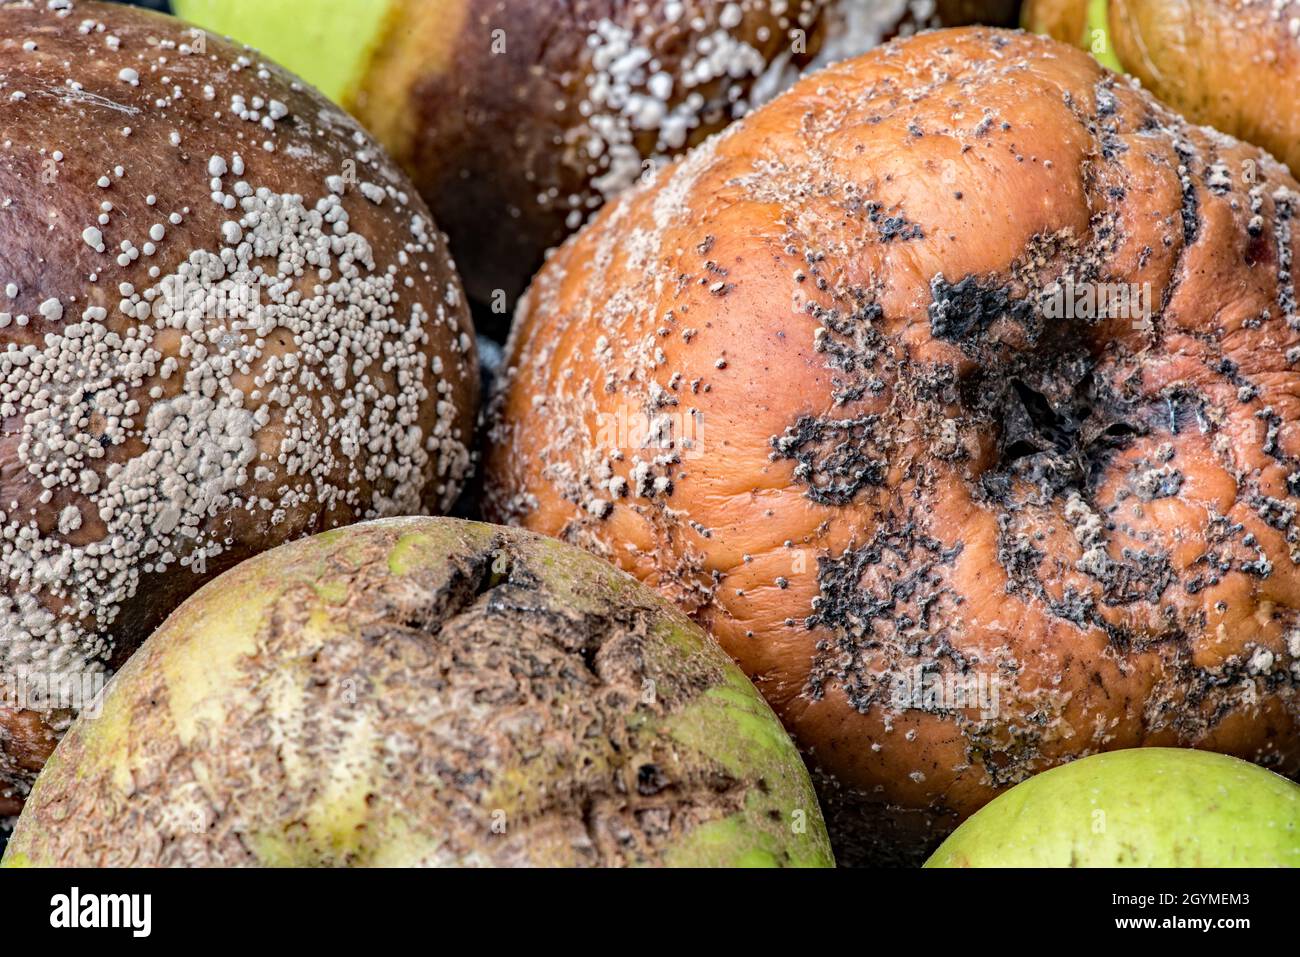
959,504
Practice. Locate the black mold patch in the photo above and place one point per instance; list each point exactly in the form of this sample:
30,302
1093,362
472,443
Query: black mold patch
1286,294
837,458
962,310
892,228
1191,201
1105,122
882,600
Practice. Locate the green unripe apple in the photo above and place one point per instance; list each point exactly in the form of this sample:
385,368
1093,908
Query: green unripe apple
1083,23
425,692
1145,807
1086,24
1096,36
328,42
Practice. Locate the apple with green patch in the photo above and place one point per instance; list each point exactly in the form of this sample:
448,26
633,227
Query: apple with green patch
426,692
1143,807
1082,23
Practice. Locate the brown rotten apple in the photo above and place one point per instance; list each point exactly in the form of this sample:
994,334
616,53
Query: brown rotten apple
964,381
518,118
226,320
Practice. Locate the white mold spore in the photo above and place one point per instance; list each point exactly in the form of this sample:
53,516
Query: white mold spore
280,379
268,369
736,56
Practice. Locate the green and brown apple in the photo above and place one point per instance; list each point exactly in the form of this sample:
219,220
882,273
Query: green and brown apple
425,692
